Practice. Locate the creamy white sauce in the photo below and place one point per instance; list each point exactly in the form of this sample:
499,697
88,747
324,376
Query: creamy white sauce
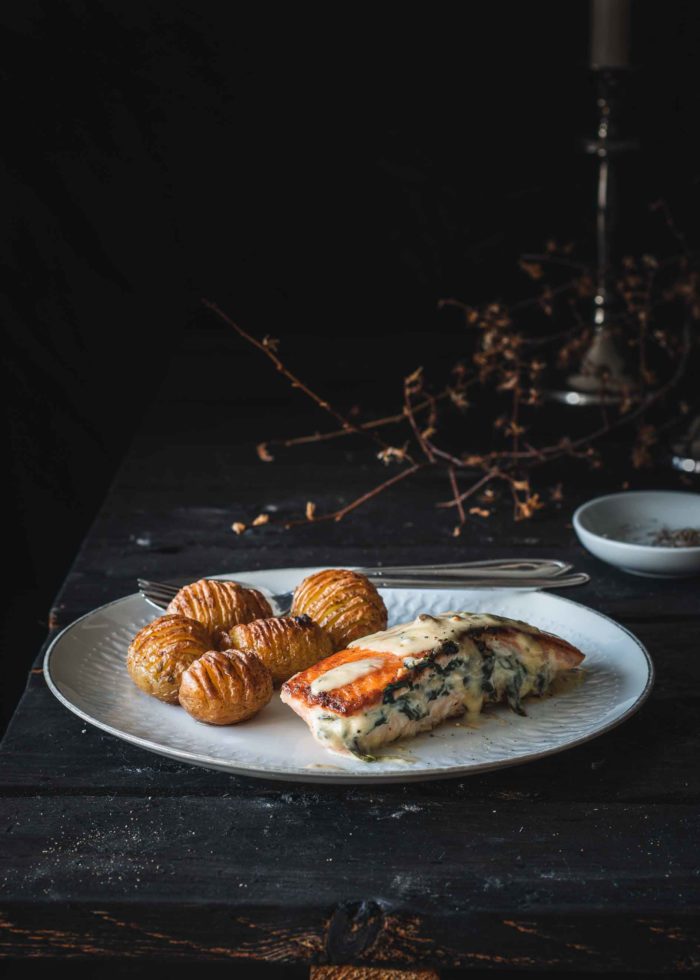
426,632
345,674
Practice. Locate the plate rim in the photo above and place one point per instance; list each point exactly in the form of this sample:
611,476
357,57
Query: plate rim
338,776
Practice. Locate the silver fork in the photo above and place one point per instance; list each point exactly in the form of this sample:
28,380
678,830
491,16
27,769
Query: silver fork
495,573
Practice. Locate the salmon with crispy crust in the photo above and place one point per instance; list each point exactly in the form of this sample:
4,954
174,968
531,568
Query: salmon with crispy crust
409,678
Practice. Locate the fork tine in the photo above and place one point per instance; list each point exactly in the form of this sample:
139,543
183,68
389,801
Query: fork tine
161,592
159,596
144,583
164,600
158,603
157,591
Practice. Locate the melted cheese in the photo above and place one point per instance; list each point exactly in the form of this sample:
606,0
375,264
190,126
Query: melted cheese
427,632
345,674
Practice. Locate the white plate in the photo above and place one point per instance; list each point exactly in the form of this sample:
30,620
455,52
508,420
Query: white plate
85,667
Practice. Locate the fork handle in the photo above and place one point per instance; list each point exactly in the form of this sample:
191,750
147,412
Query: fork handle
458,572
563,582
543,567
518,566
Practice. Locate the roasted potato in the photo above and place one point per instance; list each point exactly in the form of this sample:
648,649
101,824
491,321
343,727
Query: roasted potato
225,686
162,650
346,605
285,644
219,604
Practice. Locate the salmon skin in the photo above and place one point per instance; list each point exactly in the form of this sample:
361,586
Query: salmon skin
409,678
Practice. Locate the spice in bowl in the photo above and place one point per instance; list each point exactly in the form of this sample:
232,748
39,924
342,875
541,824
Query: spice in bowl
683,537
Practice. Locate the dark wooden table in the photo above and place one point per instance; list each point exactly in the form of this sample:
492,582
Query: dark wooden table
586,861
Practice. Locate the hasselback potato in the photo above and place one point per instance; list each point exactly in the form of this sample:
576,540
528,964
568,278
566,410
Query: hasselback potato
219,604
162,650
285,644
225,686
345,604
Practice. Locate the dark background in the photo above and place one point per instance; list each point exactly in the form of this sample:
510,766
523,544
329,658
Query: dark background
325,175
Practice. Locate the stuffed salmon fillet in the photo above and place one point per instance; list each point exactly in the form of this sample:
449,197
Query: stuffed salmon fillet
409,678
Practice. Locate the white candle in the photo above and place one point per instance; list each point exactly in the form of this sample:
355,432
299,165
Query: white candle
610,33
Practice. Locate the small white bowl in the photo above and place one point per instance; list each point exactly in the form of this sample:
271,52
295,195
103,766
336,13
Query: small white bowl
620,527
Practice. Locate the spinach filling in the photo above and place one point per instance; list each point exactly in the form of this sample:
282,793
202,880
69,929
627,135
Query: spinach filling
513,698
359,753
406,707
541,682
436,692
400,692
499,674
449,667
488,662
391,689
516,675
381,720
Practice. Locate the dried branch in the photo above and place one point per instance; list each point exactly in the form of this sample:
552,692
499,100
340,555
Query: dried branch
371,424
268,348
411,385
457,501
338,515
503,361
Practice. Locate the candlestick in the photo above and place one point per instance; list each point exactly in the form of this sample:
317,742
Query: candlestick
601,376
610,33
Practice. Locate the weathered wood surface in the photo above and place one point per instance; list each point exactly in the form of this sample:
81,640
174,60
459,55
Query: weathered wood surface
586,861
